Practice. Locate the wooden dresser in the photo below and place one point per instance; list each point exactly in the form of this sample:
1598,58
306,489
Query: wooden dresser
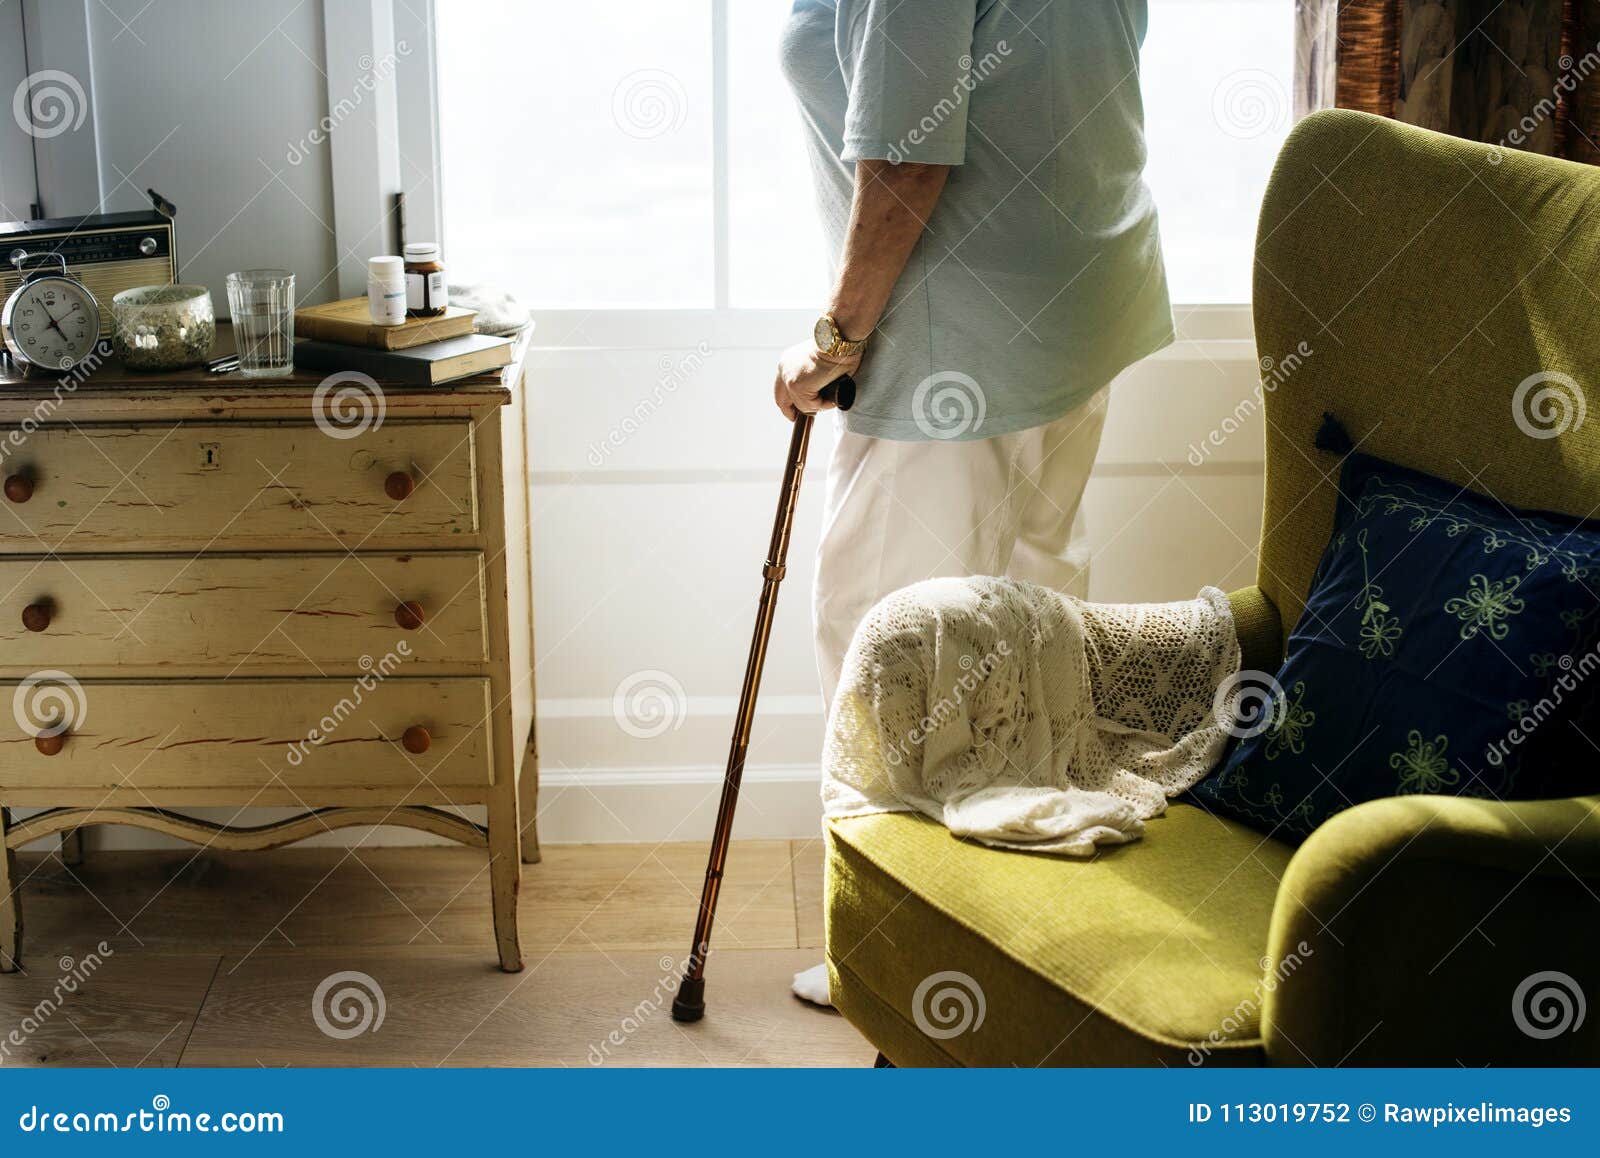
217,592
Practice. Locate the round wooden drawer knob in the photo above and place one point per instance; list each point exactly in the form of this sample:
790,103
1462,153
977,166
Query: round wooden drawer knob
416,740
36,616
410,615
50,745
19,488
399,485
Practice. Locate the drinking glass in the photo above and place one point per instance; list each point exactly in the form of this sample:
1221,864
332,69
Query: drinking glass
261,302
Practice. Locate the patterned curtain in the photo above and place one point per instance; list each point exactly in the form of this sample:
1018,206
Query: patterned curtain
1519,74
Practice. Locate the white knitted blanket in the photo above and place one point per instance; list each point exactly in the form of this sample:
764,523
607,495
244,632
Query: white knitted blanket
1024,718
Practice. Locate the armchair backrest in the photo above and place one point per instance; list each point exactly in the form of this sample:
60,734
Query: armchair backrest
1417,287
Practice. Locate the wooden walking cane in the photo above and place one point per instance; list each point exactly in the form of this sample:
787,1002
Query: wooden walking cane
690,1004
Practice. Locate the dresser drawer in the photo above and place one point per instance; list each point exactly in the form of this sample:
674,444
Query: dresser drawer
239,611
321,733
222,485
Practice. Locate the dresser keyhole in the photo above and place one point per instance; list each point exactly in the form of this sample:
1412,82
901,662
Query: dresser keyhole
210,456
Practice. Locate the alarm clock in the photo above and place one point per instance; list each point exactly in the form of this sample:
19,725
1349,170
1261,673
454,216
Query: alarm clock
51,322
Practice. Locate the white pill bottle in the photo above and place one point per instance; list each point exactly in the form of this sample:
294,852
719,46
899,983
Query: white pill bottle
386,290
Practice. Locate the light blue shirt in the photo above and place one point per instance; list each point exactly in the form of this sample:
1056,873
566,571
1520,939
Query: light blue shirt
1039,276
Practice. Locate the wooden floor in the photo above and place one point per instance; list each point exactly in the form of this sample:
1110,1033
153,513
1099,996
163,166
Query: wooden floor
218,958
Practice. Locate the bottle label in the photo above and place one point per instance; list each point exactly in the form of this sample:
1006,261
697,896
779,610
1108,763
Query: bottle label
426,291
387,306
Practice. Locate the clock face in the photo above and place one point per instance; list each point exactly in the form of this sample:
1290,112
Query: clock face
52,323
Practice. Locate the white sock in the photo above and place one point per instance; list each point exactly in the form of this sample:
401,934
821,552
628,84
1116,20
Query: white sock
812,985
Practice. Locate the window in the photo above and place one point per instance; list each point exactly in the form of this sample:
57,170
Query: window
646,154
1216,77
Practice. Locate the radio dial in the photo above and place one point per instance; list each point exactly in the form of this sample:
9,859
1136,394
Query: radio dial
147,246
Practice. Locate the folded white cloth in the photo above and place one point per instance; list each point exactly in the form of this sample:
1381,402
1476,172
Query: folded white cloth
1024,718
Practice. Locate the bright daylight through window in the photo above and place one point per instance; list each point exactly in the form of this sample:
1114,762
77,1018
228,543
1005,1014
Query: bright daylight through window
622,198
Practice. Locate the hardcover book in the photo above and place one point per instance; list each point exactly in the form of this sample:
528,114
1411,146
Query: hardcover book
350,322
428,365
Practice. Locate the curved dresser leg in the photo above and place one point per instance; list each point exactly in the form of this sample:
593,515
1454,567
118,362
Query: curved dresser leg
528,797
10,902
505,876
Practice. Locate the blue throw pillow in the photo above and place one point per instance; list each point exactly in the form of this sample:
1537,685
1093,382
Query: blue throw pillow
1448,646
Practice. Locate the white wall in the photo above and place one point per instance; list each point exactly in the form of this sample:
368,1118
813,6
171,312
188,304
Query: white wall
204,101
650,562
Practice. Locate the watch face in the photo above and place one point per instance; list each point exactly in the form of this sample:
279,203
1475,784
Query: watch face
822,334
52,323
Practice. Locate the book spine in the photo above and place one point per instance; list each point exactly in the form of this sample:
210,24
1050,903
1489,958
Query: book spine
318,355
334,330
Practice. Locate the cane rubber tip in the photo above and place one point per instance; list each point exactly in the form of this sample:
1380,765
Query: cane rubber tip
690,1004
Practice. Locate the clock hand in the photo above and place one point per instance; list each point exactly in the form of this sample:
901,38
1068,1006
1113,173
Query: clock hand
54,325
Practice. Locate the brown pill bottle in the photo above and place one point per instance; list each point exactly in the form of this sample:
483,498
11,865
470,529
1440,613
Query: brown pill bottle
426,292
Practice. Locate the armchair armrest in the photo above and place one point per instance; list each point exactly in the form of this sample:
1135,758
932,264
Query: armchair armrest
1414,931
1260,630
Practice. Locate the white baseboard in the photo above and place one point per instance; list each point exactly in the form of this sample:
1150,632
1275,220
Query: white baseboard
598,806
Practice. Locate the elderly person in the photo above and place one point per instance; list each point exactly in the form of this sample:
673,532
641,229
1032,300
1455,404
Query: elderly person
978,168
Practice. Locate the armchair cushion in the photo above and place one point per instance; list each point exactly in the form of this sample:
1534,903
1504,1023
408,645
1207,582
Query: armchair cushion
1446,647
1146,954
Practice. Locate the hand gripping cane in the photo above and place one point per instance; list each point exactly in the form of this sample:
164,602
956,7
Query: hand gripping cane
690,1004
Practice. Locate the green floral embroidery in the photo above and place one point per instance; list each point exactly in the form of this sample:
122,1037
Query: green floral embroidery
1573,618
1288,734
1486,603
1394,498
1516,709
1379,629
1544,662
1423,767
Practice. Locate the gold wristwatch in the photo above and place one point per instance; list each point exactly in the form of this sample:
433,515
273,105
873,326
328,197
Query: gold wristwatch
831,343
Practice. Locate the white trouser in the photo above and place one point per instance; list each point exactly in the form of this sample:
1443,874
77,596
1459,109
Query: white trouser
900,512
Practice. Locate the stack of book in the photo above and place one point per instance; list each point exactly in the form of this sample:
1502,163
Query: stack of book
423,351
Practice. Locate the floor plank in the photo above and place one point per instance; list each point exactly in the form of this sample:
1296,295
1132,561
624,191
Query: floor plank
93,1009
581,897
807,857
567,1008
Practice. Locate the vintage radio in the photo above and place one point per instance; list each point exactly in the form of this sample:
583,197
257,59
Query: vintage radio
108,252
